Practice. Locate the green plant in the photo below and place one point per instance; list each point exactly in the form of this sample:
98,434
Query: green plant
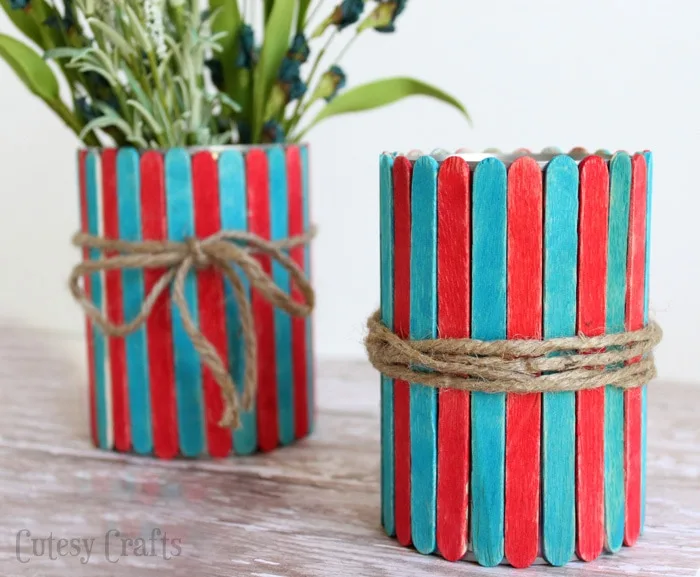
161,73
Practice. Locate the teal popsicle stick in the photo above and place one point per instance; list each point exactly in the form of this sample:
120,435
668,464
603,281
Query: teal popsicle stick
559,409
307,267
488,411
424,325
649,157
133,294
234,216
188,370
620,182
93,173
279,229
386,240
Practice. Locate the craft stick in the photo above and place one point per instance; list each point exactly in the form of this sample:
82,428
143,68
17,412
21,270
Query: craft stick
114,306
299,352
133,295
523,412
634,320
188,374
649,157
210,296
257,182
423,403
590,405
307,269
87,284
103,391
279,229
488,323
403,174
159,328
620,177
454,296
386,240
559,409
234,216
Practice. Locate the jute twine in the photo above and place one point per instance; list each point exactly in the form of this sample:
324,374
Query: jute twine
233,253
578,363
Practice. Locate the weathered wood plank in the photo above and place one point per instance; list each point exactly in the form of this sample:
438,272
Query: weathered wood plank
308,510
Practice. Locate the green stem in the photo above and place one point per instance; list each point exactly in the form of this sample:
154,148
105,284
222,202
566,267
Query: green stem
65,114
298,137
300,107
158,83
314,11
347,47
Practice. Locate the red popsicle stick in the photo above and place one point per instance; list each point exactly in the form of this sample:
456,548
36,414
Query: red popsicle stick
454,298
210,296
257,180
299,356
590,405
115,306
634,313
403,171
161,363
523,412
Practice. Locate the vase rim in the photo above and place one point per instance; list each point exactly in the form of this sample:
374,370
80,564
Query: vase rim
543,157
194,149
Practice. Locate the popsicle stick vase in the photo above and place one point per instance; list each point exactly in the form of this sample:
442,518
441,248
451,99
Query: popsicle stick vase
494,247
149,392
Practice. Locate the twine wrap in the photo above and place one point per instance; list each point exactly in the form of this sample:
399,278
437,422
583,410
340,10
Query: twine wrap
623,360
222,251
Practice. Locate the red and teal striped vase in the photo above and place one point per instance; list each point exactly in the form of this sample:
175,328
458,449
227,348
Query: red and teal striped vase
149,393
492,247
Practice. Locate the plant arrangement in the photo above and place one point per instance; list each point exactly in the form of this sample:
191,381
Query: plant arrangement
163,73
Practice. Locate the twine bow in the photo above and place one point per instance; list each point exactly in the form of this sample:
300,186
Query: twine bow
222,251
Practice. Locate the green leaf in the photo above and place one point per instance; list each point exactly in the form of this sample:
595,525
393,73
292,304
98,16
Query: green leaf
228,102
62,53
31,68
227,19
147,116
301,17
382,93
269,4
275,46
136,27
113,36
136,89
24,22
104,122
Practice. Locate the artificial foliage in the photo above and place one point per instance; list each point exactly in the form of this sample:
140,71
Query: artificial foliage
164,73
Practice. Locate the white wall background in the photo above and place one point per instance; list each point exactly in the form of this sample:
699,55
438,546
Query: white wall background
615,74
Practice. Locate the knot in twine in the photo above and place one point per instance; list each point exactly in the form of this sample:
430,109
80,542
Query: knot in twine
222,251
578,363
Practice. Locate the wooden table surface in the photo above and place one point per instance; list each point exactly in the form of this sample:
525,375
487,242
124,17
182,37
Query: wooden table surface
304,511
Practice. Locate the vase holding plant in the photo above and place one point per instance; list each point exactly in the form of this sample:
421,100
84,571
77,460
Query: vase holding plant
194,202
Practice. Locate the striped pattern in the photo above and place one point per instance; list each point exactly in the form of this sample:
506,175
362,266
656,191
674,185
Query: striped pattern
149,392
496,251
